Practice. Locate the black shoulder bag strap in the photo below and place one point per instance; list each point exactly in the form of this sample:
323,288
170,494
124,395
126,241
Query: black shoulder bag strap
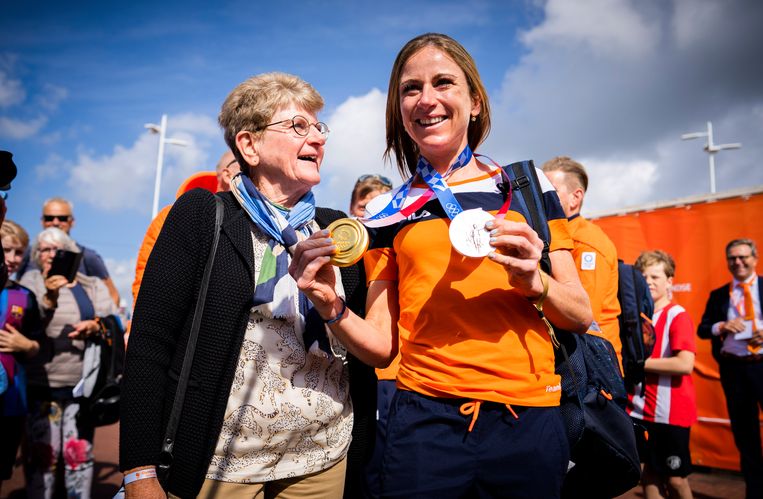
166,457
525,181
526,184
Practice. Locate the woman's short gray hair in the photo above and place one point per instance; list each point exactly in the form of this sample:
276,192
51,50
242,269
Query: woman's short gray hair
253,103
53,235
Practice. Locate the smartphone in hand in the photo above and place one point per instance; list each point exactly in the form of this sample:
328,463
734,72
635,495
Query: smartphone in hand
65,263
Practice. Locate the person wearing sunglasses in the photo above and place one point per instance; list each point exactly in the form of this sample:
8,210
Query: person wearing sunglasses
733,322
268,410
59,213
366,188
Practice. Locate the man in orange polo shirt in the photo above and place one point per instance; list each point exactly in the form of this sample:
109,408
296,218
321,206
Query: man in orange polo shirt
594,253
225,170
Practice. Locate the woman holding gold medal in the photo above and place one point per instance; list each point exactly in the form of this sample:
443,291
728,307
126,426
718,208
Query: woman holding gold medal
476,411
270,410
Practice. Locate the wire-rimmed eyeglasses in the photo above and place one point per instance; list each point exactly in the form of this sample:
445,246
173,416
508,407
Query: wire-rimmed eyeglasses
301,126
373,176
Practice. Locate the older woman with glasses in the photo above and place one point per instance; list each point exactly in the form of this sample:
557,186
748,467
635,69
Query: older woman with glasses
268,411
57,434
453,279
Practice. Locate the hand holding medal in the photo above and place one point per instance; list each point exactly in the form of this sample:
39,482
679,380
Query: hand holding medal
351,241
468,234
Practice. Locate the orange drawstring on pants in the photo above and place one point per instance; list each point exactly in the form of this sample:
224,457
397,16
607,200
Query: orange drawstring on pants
473,408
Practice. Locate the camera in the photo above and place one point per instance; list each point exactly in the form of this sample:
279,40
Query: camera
7,170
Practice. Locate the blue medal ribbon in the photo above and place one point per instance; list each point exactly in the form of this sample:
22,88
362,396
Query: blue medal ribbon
436,183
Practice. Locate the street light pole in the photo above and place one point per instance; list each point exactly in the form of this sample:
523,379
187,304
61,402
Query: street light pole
161,129
711,149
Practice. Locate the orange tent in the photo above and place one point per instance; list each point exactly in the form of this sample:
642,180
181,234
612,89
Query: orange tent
695,232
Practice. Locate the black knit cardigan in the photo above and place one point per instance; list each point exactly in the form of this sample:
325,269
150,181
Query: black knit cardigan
160,329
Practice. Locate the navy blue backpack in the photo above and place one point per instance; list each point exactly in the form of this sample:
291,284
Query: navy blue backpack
604,458
636,329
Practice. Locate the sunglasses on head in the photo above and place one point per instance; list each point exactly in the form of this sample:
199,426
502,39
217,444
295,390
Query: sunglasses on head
60,218
372,176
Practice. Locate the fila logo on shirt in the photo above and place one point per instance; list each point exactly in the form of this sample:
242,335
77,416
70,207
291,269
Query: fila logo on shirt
588,260
423,214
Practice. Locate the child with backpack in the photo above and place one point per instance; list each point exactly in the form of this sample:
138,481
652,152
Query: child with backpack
20,332
665,403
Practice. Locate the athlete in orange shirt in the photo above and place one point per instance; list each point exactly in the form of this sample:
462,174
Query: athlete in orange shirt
476,411
594,253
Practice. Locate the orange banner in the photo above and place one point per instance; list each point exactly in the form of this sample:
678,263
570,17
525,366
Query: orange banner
695,234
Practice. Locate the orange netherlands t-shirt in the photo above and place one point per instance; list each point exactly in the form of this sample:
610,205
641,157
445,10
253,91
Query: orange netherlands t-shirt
464,332
595,259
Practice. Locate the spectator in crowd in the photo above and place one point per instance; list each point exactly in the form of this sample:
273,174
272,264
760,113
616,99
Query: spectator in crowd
59,213
366,188
733,323
20,329
268,409
475,355
56,434
227,168
594,253
7,174
666,403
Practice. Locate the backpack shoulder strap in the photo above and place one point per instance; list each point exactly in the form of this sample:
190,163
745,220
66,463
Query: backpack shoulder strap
526,187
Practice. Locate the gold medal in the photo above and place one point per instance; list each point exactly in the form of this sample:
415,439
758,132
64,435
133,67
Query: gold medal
351,241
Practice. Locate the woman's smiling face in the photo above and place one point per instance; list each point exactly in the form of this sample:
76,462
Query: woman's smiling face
286,159
436,104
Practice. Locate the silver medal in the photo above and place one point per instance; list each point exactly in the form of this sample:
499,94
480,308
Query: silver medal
468,234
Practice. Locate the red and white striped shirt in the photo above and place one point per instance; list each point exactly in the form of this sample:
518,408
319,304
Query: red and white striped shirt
668,399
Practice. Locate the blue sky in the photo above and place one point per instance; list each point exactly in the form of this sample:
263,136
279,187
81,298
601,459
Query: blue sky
613,83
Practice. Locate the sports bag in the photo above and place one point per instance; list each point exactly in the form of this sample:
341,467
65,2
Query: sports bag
604,458
636,329
101,407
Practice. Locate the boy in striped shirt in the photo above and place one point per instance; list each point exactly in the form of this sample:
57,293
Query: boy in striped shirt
665,403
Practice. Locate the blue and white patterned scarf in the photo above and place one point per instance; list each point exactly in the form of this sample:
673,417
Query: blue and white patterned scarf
283,227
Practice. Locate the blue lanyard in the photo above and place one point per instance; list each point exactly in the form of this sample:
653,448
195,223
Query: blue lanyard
438,185
435,182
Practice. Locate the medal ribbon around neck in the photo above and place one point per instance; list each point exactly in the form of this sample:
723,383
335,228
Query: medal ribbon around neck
394,211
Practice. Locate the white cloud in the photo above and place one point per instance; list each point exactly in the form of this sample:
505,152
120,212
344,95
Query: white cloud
12,128
51,97
627,112
691,16
355,147
11,91
611,27
102,180
615,184
53,168
24,121
122,272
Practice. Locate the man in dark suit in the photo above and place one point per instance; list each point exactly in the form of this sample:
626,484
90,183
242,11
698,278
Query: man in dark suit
733,322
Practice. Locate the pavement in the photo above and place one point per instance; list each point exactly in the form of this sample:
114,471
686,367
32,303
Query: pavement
107,476
705,483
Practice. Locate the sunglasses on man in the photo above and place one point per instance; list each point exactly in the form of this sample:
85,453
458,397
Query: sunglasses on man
60,218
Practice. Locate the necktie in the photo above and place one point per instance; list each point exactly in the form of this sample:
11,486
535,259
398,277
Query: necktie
749,313
749,309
